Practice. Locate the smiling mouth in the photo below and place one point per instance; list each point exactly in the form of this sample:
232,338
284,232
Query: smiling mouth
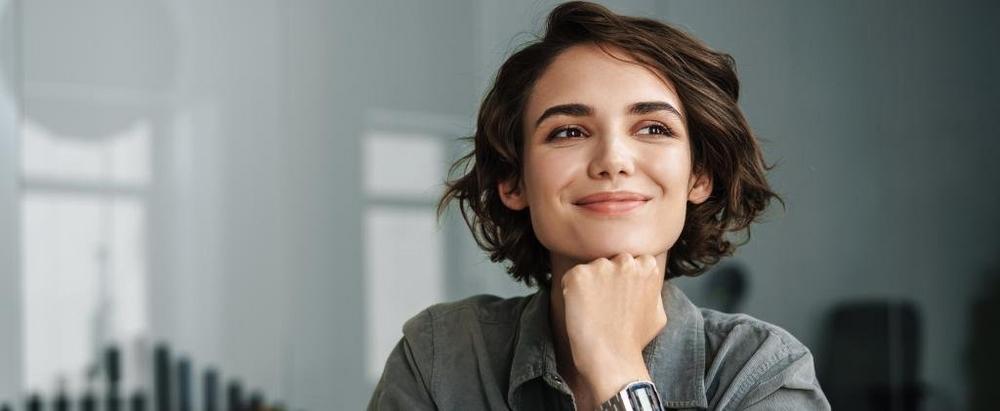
614,207
612,203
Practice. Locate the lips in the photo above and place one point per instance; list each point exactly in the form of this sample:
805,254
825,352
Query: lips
608,196
612,203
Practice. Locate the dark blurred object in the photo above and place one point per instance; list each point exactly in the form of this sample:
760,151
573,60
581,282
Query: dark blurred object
138,401
88,402
982,357
874,357
61,403
210,390
172,389
727,288
161,376
257,401
112,369
34,403
184,384
235,396
112,364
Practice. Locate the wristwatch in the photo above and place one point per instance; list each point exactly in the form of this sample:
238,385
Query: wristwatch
636,396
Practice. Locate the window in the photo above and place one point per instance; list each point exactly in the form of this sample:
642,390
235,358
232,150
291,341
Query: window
404,166
83,223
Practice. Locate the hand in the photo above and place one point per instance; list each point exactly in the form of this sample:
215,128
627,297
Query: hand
613,310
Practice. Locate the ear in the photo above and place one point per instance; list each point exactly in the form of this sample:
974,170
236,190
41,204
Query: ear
512,195
701,188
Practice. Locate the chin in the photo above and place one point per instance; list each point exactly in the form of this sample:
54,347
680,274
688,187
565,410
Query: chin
588,242
608,249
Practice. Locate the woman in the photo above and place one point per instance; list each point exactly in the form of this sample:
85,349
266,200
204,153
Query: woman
610,157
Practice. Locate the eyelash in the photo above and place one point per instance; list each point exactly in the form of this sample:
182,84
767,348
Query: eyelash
667,131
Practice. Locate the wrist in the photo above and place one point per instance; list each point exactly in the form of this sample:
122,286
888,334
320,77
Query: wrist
635,396
608,377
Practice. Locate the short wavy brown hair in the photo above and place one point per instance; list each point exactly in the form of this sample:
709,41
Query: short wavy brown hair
722,142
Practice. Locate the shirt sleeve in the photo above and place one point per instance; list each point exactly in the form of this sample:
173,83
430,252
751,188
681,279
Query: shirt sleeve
767,369
791,385
405,383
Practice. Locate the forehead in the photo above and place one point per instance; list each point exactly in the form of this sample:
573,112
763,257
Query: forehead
605,78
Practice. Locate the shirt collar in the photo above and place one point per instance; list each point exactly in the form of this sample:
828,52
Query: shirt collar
675,358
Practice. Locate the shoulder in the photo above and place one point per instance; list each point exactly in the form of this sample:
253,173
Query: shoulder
446,324
482,308
460,344
750,361
728,331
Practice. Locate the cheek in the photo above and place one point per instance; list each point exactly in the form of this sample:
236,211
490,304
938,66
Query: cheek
671,171
546,176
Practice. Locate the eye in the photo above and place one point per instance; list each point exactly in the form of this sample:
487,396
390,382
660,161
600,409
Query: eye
658,129
566,132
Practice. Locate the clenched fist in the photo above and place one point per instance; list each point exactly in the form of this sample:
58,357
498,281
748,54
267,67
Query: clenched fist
613,309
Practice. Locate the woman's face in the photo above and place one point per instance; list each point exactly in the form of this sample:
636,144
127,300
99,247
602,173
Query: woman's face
597,126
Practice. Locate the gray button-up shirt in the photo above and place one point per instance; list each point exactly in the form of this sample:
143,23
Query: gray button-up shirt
489,353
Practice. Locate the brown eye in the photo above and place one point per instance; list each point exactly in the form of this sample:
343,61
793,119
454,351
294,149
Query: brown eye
566,132
658,129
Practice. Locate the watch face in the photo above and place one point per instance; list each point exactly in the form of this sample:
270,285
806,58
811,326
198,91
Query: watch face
644,395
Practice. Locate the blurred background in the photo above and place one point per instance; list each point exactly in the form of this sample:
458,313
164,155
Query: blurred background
248,188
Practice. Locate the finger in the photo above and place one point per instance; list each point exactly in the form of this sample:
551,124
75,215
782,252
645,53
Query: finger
601,267
621,259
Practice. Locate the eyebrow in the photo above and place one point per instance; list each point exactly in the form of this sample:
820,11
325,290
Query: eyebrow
583,110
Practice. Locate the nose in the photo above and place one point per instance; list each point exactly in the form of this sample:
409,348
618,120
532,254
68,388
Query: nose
612,159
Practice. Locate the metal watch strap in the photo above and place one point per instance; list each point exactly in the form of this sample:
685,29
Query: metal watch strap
636,396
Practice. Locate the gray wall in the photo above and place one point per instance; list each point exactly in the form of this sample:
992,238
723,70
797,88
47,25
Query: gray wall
881,117
10,280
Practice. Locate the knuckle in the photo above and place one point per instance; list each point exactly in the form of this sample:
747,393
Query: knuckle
625,261
567,281
632,261
571,276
